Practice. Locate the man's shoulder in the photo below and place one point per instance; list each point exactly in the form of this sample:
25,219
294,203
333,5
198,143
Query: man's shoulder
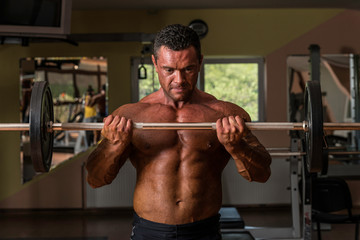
138,109
130,108
228,108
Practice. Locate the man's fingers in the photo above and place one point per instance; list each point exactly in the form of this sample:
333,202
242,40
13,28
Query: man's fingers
107,120
114,124
234,124
121,124
225,124
124,125
239,120
231,124
117,123
128,125
219,124
117,129
243,127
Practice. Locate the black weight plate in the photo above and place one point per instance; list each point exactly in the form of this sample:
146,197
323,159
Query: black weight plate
314,118
315,60
41,114
325,161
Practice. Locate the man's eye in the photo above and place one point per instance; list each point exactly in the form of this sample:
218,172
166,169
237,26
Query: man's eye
169,70
189,69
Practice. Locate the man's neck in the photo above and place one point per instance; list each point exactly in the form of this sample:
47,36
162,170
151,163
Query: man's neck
179,104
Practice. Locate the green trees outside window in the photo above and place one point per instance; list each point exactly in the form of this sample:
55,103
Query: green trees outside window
233,82
236,83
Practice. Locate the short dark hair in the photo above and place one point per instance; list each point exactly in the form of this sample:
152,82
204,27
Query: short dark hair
177,37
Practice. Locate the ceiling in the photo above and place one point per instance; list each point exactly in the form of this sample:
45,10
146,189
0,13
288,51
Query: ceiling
207,4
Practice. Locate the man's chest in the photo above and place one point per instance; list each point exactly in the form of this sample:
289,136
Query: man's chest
162,113
160,140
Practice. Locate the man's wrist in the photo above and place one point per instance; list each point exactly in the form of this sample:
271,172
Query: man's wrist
114,145
237,148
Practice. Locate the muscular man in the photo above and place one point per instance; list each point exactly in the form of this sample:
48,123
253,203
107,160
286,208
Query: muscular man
178,191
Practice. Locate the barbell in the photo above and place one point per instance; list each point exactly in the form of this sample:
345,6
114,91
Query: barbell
41,127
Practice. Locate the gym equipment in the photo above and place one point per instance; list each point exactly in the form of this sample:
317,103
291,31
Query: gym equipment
314,117
41,126
41,138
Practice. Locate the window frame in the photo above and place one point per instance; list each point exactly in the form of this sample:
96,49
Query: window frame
261,77
135,61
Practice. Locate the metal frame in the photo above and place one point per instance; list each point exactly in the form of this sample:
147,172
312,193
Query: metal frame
295,231
354,93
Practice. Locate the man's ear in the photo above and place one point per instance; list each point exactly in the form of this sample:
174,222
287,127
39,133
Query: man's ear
154,61
201,61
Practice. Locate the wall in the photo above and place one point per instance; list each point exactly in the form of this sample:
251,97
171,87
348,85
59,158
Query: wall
63,187
272,33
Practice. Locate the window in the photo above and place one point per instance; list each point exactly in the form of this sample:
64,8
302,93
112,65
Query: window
240,81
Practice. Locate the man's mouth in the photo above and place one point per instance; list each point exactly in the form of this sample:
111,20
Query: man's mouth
178,88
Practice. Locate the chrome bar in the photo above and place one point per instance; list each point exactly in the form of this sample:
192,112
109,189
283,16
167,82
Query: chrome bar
342,126
180,126
14,127
76,126
289,154
286,154
175,126
273,149
298,126
345,153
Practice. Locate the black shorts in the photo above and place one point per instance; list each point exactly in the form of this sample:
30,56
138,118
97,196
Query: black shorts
207,229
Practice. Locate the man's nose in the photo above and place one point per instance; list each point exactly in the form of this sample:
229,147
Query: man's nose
179,76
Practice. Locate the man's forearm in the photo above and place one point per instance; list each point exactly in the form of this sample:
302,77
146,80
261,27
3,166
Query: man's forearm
252,162
104,163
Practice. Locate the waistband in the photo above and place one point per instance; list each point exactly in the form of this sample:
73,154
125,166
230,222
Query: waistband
208,224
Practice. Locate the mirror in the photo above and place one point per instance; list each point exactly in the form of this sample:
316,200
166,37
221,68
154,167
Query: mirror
340,86
79,91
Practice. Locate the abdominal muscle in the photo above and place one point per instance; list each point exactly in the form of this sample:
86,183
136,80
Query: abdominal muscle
178,186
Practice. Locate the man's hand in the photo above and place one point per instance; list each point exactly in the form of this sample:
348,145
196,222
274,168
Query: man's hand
230,130
117,130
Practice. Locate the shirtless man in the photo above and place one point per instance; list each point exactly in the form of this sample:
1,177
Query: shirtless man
178,191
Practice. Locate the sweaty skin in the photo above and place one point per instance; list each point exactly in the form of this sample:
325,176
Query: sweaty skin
178,172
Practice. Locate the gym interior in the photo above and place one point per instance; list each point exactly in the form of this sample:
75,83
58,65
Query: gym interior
107,43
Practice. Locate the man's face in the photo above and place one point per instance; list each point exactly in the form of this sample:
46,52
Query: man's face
178,72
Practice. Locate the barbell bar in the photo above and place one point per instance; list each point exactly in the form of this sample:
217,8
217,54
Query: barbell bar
42,126
196,126
290,154
152,126
260,126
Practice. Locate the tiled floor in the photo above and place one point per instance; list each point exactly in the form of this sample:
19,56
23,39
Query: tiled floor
115,224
